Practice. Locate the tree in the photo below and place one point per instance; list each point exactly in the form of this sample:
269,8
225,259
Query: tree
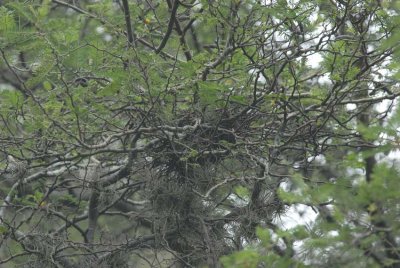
164,133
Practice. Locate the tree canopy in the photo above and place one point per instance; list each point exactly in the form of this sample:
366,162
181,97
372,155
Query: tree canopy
181,133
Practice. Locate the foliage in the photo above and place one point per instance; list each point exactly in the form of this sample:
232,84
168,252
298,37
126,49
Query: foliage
178,133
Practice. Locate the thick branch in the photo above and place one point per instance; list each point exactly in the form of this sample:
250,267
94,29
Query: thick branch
170,26
128,22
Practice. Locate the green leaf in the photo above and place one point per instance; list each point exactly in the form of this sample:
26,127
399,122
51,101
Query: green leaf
47,85
242,259
242,192
38,196
3,229
11,98
7,23
44,8
264,235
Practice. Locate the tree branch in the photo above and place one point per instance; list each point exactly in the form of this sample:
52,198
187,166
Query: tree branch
170,27
128,23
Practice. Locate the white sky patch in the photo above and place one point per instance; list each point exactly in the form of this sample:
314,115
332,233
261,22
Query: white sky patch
107,37
261,78
285,185
297,214
292,3
324,79
394,156
269,2
320,159
351,107
100,30
314,60
333,233
383,106
314,16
